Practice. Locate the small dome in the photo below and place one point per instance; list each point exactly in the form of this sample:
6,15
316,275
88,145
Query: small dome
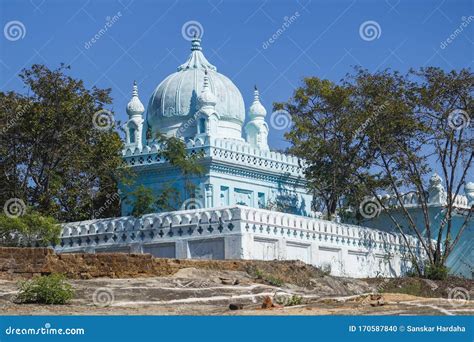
135,106
469,186
175,99
435,180
257,109
469,191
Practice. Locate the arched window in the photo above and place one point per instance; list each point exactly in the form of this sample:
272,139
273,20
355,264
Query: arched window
202,126
131,134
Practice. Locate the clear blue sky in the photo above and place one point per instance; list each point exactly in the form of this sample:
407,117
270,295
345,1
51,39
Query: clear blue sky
146,43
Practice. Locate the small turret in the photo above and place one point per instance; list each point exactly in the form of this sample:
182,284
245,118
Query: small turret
436,191
469,191
207,98
207,117
256,129
256,109
135,106
134,125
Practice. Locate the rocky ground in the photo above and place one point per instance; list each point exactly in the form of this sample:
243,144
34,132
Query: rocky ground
283,288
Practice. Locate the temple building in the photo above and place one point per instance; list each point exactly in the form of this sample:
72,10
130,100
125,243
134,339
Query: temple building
249,203
203,107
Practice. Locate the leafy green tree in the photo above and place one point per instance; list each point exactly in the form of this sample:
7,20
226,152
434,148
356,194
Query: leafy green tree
59,154
324,133
143,201
169,198
416,134
187,163
439,138
31,229
385,133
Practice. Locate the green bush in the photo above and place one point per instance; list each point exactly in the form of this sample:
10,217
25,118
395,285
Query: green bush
436,272
295,300
30,229
51,289
289,301
268,278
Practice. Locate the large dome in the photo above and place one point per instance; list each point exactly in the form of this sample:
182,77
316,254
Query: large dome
175,100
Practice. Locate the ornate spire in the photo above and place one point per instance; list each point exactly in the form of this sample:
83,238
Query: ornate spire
207,98
257,109
135,89
135,106
256,95
196,59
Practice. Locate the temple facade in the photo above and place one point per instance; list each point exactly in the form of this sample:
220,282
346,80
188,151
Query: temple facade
205,109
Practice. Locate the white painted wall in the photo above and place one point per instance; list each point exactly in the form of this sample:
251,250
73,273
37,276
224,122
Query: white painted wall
238,232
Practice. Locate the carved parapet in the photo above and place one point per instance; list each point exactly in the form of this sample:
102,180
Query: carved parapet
222,149
211,222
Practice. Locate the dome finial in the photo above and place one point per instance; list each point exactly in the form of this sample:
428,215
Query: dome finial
256,95
135,89
196,59
196,43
